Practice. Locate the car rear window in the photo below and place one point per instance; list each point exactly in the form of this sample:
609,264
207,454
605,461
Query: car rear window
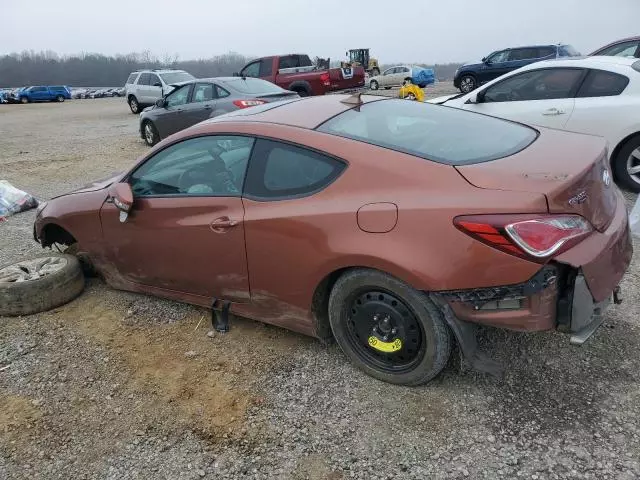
434,132
176,77
253,86
132,78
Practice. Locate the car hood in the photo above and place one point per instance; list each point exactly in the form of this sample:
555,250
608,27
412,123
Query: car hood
470,65
96,185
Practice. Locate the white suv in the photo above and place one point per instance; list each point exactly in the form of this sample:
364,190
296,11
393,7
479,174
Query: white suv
144,87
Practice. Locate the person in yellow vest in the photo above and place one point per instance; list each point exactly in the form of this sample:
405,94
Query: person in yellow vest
409,91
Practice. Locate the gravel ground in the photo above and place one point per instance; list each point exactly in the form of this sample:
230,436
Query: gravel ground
123,386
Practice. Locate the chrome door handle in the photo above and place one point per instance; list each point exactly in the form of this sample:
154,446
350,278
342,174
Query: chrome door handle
553,111
222,223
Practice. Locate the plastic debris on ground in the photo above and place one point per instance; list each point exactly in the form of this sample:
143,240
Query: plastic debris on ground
14,200
634,219
411,92
423,76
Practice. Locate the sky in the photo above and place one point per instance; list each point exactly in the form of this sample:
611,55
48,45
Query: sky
424,31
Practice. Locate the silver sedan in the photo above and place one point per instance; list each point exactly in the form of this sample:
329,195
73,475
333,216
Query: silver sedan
196,100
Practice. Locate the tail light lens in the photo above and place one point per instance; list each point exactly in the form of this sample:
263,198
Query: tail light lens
247,103
325,79
537,238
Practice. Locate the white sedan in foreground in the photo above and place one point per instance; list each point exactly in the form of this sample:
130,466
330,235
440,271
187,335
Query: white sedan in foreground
593,95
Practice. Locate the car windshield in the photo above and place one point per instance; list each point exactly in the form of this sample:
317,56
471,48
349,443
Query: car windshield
253,86
176,77
439,133
568,51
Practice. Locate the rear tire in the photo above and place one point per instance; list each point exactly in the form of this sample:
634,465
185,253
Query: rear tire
302,92
60,98
625,164
356,302
373,85
134,105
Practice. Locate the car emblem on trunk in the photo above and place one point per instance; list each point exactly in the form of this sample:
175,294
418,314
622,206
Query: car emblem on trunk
578,199
606,177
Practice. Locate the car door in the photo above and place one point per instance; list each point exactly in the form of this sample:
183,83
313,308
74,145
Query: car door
602,108
185,232
154,89
39,94
142,90
494,66
542,97
201,104
172,118
386,79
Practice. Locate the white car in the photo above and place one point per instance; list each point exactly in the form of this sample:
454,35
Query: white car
392,77
592,95
144,87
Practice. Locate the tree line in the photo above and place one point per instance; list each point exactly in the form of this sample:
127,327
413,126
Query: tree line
97,70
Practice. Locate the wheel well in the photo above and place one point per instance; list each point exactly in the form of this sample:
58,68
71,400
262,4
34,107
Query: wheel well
131,95
53,233
621,145
320,304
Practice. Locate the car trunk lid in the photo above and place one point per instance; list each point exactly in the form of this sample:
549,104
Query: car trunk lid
571,170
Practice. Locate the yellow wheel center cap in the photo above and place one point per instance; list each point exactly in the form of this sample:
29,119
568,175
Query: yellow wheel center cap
387,347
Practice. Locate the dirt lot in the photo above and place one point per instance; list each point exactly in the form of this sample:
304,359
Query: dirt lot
123,386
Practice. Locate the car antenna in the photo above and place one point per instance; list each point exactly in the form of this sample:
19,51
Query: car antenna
355,99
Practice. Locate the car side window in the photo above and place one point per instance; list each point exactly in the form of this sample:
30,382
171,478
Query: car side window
388,71
252,70
600,83
546,52
499,57
626,49
202,92
144,79
544,84
154,79
289,61
205,166
178,97
221,92
266,67
280,170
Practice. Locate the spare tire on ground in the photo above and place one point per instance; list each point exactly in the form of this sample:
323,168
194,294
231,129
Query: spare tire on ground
39,284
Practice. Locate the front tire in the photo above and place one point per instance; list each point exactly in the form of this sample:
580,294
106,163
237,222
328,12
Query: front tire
134,105
24,100
37,285
373,85
387,328
626,165
468,83
151,136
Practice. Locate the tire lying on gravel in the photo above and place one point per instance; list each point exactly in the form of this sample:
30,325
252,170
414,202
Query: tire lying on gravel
40,284
387,328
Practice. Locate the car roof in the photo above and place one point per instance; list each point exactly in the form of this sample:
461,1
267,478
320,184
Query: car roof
308,112
584,62
616,42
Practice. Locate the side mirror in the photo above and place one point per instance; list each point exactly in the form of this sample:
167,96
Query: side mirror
161,103
476,97
122,197
157,84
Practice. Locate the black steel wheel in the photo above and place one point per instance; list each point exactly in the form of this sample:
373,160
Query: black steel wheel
387,328
377,321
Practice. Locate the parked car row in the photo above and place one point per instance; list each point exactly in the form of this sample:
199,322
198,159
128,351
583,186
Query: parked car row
53,93
98,93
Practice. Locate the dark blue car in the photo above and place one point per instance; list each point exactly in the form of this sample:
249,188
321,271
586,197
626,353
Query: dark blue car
472,75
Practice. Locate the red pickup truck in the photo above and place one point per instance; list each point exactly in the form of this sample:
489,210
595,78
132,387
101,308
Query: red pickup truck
297,73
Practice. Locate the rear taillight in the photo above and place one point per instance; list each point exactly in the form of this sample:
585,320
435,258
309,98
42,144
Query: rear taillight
247,103
325,79
533,237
